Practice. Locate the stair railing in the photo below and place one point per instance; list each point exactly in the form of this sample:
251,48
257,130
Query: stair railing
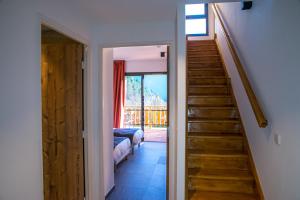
260,117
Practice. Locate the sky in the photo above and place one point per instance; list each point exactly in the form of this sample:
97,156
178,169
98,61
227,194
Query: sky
158,84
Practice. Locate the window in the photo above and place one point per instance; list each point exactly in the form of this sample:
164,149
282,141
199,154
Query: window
146,100
196,19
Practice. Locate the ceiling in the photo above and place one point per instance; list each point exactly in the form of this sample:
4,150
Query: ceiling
129,11
139,52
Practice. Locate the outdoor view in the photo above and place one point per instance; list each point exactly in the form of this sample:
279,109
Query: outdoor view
155,105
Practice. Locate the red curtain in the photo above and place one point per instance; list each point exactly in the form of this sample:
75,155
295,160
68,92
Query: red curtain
119,92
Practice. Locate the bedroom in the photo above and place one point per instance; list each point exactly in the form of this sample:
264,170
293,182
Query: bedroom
140,101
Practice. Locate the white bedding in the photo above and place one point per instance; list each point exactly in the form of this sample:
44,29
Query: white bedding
137,137
121,150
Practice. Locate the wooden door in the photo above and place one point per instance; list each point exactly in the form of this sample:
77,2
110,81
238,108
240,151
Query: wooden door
63,165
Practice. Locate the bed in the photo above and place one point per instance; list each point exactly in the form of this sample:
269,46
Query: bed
135,135
122,148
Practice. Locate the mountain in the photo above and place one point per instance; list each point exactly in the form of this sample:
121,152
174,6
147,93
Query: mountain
133,94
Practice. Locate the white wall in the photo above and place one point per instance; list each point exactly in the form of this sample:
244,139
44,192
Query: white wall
268,44
140,34
146,65
20,86
137,33
180,101
107,118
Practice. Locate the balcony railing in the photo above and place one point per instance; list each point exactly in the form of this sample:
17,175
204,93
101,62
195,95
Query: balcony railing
154,116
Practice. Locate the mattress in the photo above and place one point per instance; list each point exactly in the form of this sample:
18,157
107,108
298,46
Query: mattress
122,148
134,134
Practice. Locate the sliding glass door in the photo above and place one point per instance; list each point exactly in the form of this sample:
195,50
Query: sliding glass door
155,107
133,102
146,104
155,104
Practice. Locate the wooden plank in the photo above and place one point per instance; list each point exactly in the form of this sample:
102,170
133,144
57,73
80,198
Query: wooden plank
62,121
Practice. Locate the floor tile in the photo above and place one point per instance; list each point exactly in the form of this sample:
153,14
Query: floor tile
143,175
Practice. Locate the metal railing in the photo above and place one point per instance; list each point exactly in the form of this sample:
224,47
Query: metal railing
154,116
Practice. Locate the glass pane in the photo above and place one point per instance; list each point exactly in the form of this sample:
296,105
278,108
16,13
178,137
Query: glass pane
195,9
133,102
155,101
195,26
155,98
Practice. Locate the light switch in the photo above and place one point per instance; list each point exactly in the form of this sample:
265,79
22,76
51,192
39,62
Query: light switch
277,139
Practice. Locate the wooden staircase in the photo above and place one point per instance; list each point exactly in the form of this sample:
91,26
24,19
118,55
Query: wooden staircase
218,163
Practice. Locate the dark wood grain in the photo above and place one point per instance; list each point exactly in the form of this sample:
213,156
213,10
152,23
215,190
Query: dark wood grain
62,119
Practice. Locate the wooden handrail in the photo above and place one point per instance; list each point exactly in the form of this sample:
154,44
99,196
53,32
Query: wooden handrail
260,117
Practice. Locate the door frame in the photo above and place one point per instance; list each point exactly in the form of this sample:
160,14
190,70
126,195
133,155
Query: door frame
86,65
171,128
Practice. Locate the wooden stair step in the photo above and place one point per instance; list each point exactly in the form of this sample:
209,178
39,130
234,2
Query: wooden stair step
204,56
221,174
205,45
212,112
215,134
210,101
195,52
208,90
192,58
204,195
215,152
203,62
206,69
215,68
200,42
201,45
214,80
238,186
231,126
202,48
192,43
217,160
197,65
206,72
213,142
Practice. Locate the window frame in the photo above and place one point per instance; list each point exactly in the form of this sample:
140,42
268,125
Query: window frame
205,16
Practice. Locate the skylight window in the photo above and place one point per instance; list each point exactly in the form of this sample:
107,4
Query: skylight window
196,22
195,9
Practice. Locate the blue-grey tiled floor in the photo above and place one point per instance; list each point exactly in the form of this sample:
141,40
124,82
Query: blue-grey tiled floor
143,175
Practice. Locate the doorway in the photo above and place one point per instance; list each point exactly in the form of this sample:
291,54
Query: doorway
62,116
142,172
